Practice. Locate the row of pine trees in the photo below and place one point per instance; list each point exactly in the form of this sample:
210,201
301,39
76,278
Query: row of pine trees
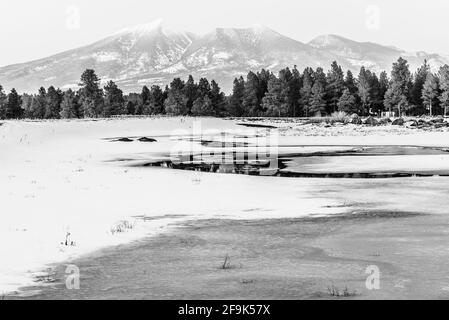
262,94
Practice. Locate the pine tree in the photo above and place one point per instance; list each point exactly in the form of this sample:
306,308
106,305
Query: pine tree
203,106
27,101
420,78
235,101
350,83
275,102
290,86
53,103
430,92
335,85
294,93
69,105
263,78
176,102
306,90
114,103
144,105
397,95
348,103
364,89
3,103
190,91
251,96
203,89
376,96
132,102
13,106
218,99
318,100
156,100
384,83
39,104
443,77
91,94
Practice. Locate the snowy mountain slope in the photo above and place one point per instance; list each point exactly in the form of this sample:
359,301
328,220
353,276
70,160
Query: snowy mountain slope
133,52
376,57
154,54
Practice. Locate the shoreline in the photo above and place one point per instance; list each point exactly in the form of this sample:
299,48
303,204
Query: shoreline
267,259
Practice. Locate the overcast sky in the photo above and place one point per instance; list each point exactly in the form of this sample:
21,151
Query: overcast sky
32,29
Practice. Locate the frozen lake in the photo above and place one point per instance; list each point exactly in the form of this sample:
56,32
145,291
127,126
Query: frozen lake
61,177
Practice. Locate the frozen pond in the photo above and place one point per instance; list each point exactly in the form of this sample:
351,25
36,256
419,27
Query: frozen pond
102,180
335,161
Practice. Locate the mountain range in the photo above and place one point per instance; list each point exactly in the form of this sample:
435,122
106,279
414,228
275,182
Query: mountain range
155,54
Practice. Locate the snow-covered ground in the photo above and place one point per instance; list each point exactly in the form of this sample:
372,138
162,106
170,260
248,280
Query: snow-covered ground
57,178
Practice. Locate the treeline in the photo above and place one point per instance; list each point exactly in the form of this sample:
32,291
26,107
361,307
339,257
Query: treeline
290,93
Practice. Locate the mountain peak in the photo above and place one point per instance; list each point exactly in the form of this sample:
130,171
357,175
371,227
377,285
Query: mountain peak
260,27
144,28
327,40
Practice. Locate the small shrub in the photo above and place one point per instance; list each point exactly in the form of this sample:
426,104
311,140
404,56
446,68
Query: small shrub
247,281
122,226
336,117
340,116
336,292
68,242
226,264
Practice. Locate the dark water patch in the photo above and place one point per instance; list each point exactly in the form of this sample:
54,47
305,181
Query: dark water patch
263,168
256,125
255,168
121,160
352,215
224,144
367,151
373,214
294,164
358,175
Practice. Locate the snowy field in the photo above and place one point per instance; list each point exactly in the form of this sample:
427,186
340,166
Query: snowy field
59,181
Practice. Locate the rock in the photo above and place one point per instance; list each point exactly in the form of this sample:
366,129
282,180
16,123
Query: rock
145,139
371,121
412,123
439,119
398,122
384,121
425,124
441,125
355,119
124,140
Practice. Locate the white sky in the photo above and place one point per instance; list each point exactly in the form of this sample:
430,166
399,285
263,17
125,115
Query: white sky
31,29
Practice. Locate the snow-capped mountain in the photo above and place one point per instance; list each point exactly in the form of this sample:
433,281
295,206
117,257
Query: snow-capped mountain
155,54
376,57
